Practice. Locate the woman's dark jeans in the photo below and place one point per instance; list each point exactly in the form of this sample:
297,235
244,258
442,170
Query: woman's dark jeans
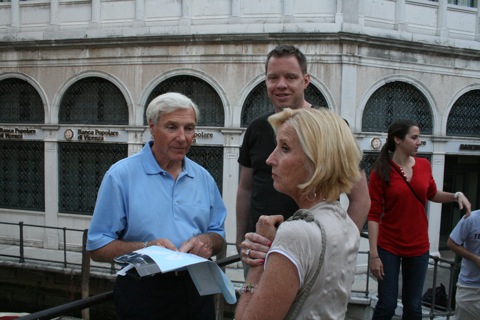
414,271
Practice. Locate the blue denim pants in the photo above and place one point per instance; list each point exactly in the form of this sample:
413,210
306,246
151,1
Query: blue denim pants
414,271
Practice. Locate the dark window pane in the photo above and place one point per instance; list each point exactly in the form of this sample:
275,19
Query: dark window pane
201,93
82,167
20,102
464,118
395,101
211,158
22,175
93,100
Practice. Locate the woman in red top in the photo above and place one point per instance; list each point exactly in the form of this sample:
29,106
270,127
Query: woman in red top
400,184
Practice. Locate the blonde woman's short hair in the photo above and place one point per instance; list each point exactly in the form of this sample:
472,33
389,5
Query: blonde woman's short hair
333,153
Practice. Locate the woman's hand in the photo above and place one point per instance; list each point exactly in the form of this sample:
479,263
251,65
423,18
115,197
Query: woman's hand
254,249
256,245
376,268
267,226
463,203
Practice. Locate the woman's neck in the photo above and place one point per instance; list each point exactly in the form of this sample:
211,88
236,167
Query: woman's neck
310,203
403,161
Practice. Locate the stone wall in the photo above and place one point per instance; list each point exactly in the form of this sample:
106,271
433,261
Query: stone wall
33,290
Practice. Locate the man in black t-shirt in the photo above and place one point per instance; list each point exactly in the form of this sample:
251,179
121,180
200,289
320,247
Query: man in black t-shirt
286,78
258,143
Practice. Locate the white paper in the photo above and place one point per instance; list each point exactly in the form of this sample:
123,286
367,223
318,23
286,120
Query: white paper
206,274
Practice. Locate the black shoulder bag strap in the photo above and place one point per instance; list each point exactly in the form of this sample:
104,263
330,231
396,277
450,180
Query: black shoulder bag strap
408,184
303,214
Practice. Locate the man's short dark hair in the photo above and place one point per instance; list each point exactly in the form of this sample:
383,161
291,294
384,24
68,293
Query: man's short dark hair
287,51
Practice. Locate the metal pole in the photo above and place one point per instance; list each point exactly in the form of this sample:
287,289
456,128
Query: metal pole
22,256
434,286
64,247
85,275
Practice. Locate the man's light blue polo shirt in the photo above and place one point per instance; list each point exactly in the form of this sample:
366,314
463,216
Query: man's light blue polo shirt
139,201
467,232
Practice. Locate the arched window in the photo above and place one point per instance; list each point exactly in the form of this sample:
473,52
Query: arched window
93,100
464,118
82,165
20,102
21,162
201,93
394,101
258,103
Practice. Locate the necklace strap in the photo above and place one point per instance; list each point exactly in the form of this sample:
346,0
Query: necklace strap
406,181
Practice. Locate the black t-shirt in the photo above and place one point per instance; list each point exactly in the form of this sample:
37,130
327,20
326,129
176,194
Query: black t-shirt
258,143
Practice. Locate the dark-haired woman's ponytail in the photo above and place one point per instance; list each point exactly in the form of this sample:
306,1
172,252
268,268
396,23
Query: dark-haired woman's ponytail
382,165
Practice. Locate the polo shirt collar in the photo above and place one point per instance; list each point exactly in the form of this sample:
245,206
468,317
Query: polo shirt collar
151,165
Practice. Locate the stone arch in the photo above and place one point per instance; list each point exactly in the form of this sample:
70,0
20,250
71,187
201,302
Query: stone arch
35,86
92,73
463,120
217,88
425,116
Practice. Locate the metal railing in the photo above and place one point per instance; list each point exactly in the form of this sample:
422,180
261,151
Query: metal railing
87,302
436,311
73,306
94,300
20,241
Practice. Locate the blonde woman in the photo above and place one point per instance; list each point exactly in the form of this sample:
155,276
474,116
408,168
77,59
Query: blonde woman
304,268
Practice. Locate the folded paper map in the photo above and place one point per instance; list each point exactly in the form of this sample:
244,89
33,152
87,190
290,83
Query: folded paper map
206,274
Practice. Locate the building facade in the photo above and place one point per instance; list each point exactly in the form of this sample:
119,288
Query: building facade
76,77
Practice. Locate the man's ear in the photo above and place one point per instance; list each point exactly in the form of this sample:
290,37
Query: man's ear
151,126
306,81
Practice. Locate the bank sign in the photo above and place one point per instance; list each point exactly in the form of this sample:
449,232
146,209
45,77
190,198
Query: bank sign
96,135
16,133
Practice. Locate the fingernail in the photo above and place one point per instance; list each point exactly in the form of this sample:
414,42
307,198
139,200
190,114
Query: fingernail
269,244
261,261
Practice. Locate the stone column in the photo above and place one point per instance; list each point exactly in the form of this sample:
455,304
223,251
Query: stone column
15,14
53,12
442,30
96,13
186,18
434,210
400,16
288,6
348,94
51,237
339,13
235,13
477,23
231,177
139,13
135,139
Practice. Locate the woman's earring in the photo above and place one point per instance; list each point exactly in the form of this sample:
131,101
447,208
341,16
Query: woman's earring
312,196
